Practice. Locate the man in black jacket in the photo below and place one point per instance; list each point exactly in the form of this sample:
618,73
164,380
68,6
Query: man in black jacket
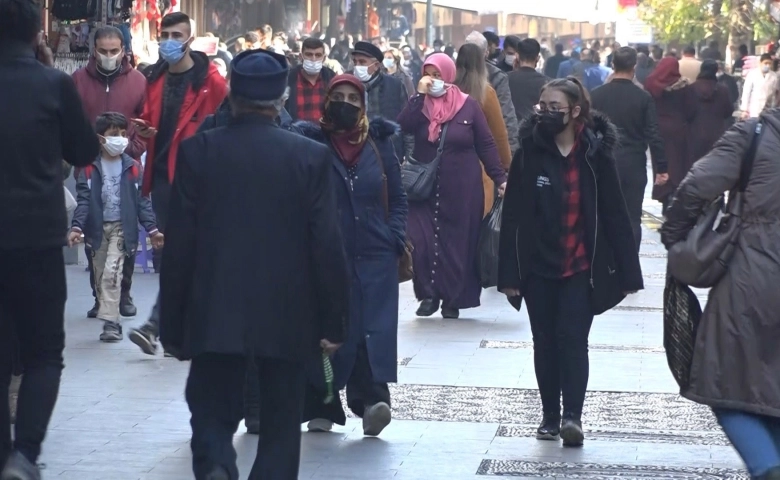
42,123
632,111
551,64
274,285
526,83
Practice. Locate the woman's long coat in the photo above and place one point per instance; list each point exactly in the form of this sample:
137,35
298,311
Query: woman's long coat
676,108
714,109
736,358
374,239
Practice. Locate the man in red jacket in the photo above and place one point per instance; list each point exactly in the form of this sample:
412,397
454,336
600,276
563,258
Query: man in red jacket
109,84
184,87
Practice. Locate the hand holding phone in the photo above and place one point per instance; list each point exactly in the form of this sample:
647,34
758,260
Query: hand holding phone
144,129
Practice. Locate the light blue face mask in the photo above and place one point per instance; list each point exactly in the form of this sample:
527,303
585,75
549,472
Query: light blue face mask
172,51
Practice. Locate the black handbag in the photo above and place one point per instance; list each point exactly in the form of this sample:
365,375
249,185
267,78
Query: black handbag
419,179
703,257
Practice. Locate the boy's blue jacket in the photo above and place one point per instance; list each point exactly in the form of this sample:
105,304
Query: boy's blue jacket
135,208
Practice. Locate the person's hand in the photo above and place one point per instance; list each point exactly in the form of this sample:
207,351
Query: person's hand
661,179
43,53
158,240
744,115
143,129
502,190
74,238
424,85
329,348
511,292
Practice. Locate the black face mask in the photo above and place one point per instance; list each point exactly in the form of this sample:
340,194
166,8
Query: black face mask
551,123
343,115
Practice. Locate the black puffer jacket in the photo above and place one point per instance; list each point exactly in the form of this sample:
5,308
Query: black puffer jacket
609,239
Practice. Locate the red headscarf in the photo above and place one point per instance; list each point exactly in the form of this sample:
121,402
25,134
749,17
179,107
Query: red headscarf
442,109
666,74
347,143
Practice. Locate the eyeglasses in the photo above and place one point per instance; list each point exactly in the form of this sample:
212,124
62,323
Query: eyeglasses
542,108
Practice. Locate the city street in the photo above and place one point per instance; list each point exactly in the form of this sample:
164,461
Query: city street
465,407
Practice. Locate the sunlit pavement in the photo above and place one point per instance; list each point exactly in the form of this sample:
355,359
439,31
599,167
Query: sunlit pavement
465,406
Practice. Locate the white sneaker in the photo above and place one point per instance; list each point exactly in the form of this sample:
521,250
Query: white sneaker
320,425
376,418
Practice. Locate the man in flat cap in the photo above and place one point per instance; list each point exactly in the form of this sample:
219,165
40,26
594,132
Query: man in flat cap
387,95
254,267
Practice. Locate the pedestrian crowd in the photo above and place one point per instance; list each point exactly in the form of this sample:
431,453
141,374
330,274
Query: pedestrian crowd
330,185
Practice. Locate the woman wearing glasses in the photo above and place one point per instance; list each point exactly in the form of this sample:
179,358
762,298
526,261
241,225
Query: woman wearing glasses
567,246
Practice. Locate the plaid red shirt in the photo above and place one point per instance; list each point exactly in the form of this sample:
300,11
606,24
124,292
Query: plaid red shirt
575,256
310,98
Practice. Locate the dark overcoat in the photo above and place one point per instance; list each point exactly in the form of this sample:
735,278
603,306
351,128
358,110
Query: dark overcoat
254,259
374,240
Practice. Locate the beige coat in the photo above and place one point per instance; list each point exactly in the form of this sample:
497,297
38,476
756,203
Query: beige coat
736,358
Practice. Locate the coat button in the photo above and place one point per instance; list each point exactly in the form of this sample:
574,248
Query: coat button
357,218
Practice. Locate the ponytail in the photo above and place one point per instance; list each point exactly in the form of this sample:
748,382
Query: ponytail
577,95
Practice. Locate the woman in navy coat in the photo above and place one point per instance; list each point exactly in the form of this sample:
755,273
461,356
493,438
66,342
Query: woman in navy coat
372,206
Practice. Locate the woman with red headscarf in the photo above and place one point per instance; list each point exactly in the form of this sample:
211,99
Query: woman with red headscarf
372,204
675,105
444,229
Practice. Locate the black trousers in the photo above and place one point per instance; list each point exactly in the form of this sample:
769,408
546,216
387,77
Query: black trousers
161,196
362,392
561,315
215,396
633,181
32,310
127,274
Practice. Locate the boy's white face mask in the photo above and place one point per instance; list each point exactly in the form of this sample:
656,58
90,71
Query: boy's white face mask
115,146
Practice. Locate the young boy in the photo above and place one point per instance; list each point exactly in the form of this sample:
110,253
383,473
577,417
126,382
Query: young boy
110,206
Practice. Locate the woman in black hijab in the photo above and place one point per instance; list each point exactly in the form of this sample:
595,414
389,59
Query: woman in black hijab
713,110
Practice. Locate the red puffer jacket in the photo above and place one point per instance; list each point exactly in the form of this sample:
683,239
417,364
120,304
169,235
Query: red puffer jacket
201,100
123,94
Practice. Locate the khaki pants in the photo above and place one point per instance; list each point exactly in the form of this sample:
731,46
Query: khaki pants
107,263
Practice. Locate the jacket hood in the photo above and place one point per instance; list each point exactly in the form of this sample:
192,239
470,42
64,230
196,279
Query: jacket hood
378,129
705,89
203,69
93,71
603,135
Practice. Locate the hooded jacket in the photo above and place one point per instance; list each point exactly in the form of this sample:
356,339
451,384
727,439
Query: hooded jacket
609,239
201,100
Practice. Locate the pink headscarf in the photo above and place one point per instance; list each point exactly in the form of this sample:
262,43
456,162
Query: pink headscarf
443,109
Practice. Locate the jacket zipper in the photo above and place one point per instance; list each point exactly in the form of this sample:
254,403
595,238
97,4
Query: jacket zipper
596,233
517,252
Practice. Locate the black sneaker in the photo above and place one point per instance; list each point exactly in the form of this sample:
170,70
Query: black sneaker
218,473
112,332
146,339
17,467
550,428
428,307
447,312
571,430
126,306
92,312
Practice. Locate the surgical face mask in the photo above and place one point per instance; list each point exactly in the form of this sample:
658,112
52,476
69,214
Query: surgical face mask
361,72
388,63
765,68
312,67
172,51
510,60
437,88
551,123
107,63
115,146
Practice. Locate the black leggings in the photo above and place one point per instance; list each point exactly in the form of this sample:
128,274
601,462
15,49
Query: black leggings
561,315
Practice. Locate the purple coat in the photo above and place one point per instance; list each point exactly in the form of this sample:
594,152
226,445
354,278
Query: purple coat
445,229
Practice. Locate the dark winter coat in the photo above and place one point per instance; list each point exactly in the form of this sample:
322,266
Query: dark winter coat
735,357
713,110
374,240
387,97
676,108
526,84
254,257
134,207
609,238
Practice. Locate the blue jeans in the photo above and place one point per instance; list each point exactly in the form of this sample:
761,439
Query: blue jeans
756,438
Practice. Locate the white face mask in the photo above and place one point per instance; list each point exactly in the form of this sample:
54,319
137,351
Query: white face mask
765,68
312,67
510,60
388,63
115,146
361,72
437,88
108,63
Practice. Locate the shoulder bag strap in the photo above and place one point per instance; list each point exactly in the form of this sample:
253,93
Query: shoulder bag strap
750,155
384,175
